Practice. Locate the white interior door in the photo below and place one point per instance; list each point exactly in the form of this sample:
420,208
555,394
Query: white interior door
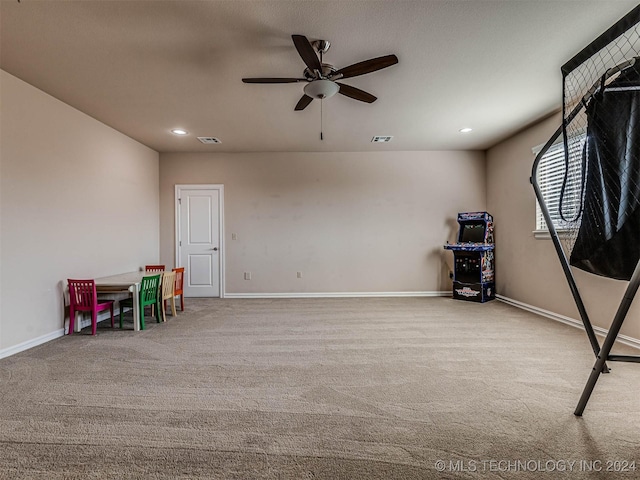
199,242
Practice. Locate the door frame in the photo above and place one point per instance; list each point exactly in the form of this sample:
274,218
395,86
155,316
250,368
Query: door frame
220,188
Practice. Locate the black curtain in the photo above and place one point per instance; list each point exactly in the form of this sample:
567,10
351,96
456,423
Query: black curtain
608,241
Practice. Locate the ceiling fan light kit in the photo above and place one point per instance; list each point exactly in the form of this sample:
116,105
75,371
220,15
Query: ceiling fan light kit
321,89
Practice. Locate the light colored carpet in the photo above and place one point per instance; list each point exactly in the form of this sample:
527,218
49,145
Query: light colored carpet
369,388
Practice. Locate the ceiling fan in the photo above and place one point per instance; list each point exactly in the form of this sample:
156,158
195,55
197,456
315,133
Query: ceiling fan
321,78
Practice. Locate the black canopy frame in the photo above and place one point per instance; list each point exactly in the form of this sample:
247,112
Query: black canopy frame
602,353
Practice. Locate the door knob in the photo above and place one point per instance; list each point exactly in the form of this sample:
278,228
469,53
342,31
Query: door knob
215,249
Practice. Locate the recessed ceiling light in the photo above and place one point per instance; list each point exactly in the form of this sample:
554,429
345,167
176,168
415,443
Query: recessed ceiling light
466,130
179,131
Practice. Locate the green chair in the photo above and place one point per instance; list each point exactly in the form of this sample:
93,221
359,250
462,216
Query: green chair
149,295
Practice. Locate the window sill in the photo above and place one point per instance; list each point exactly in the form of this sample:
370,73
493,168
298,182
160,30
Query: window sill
545,235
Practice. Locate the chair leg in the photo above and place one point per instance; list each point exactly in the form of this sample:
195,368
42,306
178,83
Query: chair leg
182,302
160,315
94,321
111,310
121,312
173,306
72,320
141,318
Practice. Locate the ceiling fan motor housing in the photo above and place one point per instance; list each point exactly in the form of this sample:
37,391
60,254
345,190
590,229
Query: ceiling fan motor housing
327,71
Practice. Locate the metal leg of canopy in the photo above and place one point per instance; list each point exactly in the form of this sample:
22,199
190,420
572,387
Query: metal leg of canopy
618,320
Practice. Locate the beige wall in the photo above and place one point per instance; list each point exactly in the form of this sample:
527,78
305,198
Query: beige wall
78,199
350,222
527,269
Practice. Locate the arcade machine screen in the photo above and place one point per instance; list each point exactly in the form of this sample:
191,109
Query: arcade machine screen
472,233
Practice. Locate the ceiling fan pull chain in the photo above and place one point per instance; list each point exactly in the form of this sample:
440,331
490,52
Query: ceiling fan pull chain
321,102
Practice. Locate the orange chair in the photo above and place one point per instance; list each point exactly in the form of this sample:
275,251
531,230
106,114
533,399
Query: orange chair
83,297
178,288
154,268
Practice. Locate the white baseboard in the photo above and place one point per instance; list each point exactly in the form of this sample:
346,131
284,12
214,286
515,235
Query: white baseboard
21,347
84,320
337,294
624,339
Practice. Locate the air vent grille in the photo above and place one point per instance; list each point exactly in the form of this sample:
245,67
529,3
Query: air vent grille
381,138
209,140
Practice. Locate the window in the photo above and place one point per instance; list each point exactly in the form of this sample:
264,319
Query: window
551,175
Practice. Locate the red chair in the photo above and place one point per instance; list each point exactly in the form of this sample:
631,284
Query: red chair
154,268
84,298
178,288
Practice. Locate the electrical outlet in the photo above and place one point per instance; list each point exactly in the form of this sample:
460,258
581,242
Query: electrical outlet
247,275
234,236
299,274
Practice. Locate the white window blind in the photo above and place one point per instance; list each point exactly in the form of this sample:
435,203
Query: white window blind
551,174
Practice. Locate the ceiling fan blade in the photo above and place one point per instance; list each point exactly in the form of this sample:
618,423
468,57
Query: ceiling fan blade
303,102
367,66
356,93
274,80
306,51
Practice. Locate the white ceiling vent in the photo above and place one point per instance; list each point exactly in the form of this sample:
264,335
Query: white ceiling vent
209,140
381,138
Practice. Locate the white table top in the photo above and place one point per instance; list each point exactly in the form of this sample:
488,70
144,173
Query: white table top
123,279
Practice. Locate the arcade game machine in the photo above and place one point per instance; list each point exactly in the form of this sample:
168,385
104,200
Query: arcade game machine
473,276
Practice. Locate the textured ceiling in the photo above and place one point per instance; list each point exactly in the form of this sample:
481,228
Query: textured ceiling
144,67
